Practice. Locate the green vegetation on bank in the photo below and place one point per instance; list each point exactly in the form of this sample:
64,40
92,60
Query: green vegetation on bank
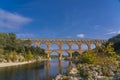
104,61
116,41
15,50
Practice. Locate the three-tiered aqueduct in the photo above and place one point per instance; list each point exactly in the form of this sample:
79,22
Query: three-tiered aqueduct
68,41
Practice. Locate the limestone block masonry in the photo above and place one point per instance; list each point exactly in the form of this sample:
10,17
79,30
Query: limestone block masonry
68,41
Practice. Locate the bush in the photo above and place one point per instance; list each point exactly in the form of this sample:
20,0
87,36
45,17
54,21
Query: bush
67,78
7,57
88,58
105,78
14,56
1,51
28,56
1,57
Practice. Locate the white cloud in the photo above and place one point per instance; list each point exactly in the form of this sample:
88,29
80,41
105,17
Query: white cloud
12,20
25,35
113,32
80,35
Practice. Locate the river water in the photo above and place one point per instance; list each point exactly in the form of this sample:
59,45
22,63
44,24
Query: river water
46,70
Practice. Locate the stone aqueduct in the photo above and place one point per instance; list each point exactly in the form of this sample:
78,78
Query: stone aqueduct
67,41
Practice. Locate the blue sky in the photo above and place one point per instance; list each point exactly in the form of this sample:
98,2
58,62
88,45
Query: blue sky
99,19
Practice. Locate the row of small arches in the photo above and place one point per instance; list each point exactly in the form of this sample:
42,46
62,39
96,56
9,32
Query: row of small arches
67,47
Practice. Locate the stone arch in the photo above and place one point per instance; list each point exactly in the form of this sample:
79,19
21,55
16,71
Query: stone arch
37,43
33,44
75,46
84,46
98,44
65,53
54,53
92,46
43,46
54,46
65,46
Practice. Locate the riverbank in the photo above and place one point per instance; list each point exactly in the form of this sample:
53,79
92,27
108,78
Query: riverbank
8,64
71,76
14,63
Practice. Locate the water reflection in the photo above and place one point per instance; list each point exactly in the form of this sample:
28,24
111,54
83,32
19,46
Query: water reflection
45,70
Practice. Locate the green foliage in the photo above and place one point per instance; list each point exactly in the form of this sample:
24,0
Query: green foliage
11,42
7,57
88,57
28,56
36,57
104,56
105,78
10,46
109,63
54,56
107,50
110,50
14,56
67,78
27,43
1,51
116,41
75,54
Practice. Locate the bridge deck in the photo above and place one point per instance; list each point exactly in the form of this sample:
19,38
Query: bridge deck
61,39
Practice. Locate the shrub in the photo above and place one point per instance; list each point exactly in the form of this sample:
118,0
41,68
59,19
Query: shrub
14,56
105,78
28,56
88,58
67,78
7,57
1,51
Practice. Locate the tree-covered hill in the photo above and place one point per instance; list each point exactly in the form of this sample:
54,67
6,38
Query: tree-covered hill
116,43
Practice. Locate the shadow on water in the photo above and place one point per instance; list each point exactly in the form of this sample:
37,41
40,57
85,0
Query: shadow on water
45,70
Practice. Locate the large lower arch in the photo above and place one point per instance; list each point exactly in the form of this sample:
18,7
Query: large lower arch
65,54
92,46
84,47
54,54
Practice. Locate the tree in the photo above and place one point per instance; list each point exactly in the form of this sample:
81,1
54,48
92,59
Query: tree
30,56
88,57
14,56
27,43
74,54
3,38
107,50
116,43
11,42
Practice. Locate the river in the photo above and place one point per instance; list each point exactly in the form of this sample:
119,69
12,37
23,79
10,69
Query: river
46,70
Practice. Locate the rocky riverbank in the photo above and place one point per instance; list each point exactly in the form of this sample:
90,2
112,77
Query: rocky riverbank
98,72
71,76
90,72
